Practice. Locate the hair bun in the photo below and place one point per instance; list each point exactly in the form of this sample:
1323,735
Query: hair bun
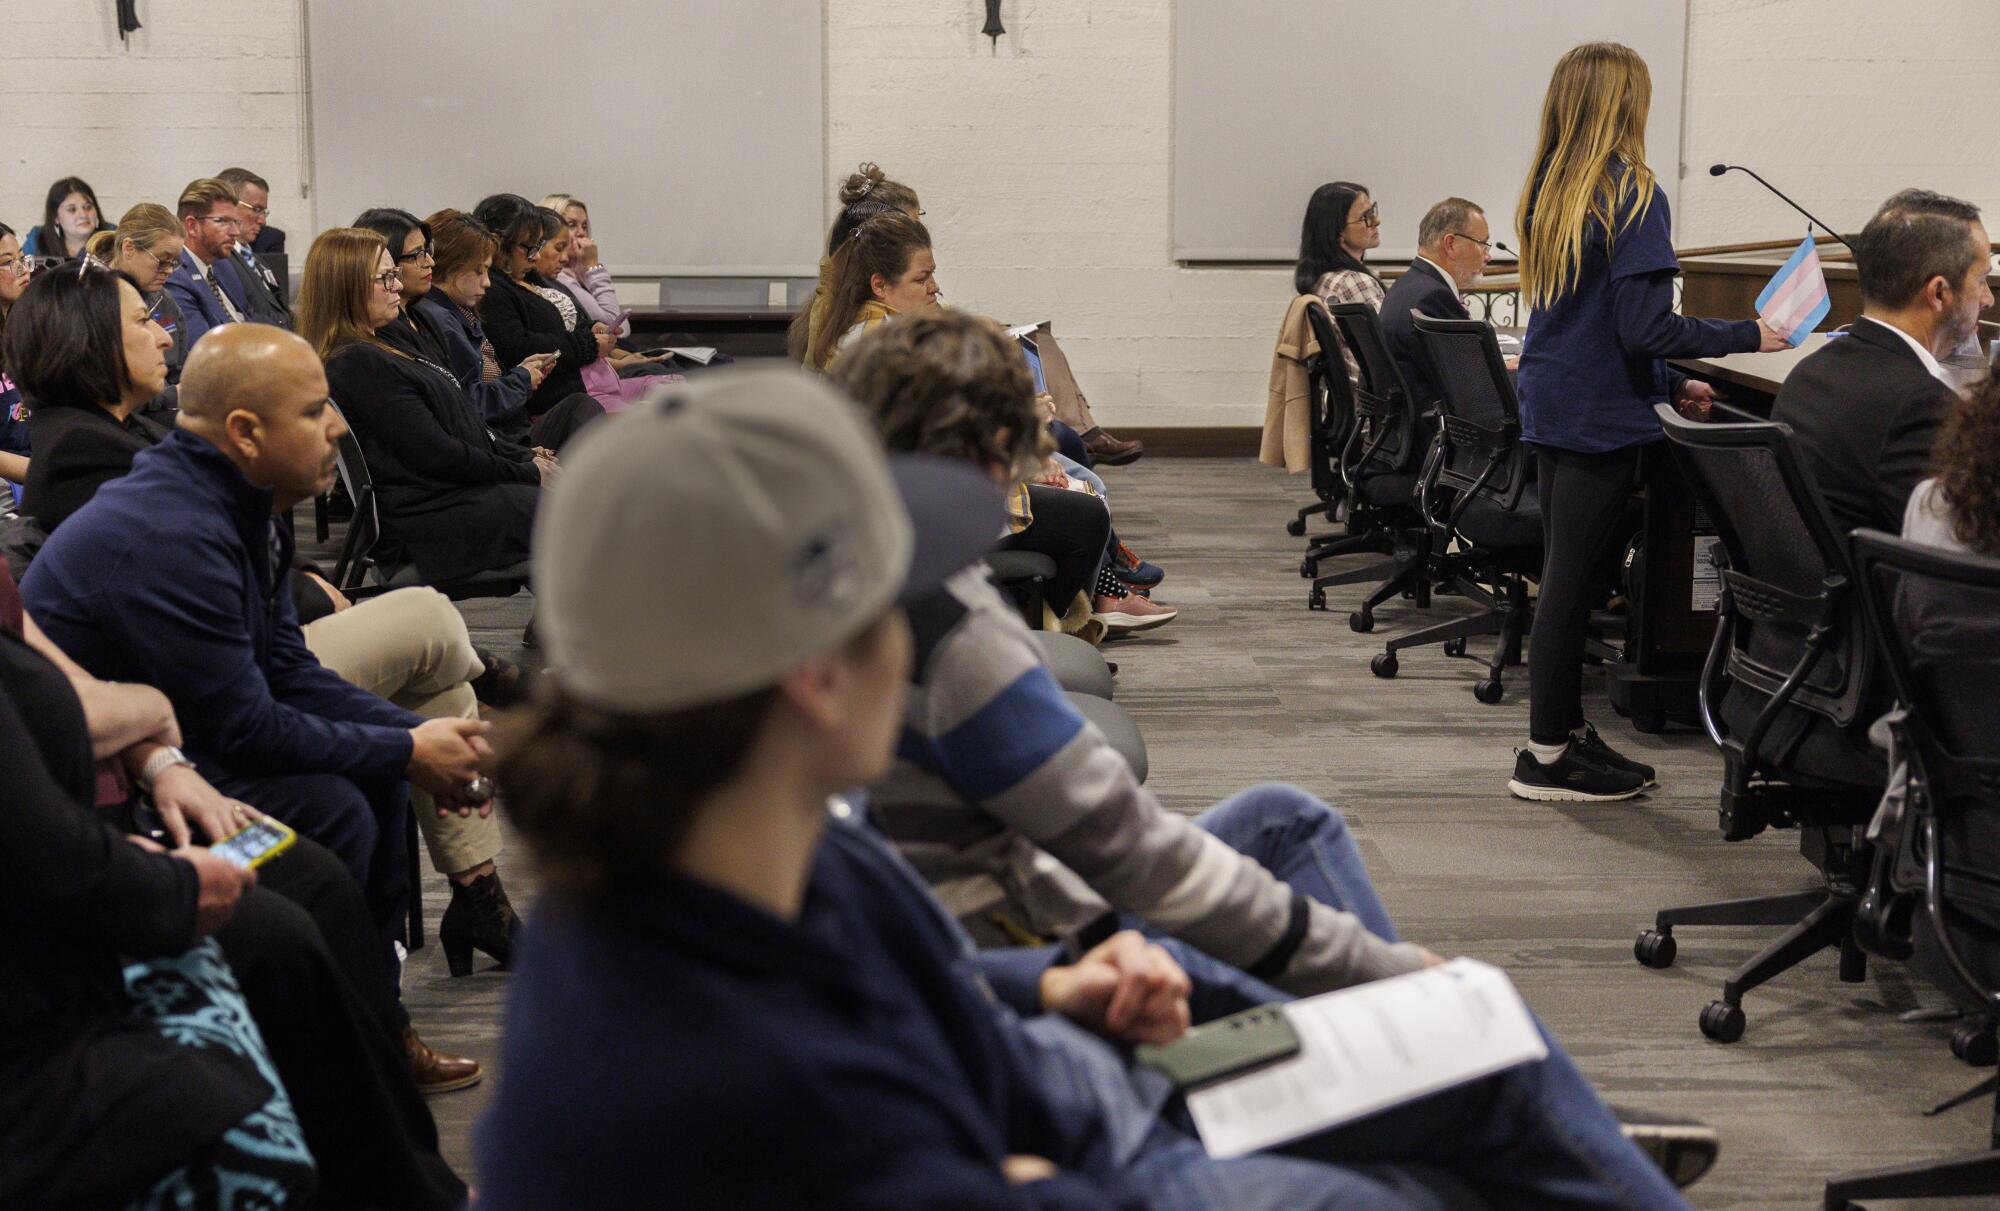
861,182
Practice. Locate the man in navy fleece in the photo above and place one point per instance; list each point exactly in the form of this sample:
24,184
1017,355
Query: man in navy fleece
176,576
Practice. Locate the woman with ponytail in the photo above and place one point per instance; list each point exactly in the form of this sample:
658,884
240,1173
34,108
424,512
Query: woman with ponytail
1597,271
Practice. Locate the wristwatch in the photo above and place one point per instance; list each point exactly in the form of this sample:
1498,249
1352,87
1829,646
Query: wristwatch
163,758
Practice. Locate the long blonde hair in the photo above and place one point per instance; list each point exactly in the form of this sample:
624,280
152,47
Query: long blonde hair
1595,113
334,287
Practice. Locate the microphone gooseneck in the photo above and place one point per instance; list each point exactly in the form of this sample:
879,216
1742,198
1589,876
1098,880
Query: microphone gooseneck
1716,170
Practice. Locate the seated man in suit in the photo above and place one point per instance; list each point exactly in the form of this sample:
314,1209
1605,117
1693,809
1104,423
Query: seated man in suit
1866,406
1864,410
267,284
1453,245
206,285
176,576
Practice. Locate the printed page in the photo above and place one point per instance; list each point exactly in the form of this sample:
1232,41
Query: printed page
1368,1048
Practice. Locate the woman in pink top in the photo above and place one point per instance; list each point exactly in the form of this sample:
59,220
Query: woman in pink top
585,274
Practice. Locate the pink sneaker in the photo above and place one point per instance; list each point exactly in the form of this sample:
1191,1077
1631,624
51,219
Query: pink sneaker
1124,615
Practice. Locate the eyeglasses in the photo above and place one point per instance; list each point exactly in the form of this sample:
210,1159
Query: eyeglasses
223,220
1461,235
426,253
30,265
259,211
1371,217
168,263
388,280
532,249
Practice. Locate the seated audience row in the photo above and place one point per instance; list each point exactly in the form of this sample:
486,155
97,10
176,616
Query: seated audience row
716,868
885,267
182,1028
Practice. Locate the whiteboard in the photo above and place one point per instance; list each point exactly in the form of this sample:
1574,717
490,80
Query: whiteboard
693,128
1419,100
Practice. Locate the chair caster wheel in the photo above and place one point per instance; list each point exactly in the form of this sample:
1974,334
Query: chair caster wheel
1722,1021
1296,527
1976,1045
1650,722
1488,690
1308,569
1316,600
1454,647
1654,949
1361,621
1383,664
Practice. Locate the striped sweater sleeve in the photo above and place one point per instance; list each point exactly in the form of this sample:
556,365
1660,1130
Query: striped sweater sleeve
990,720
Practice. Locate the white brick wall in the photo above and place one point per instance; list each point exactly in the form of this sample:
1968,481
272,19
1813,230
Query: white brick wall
204,85
1045,167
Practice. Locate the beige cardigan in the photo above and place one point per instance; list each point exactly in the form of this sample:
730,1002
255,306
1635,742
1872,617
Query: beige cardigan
1287,413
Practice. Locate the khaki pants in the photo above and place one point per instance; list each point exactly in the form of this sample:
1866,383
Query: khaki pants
410,647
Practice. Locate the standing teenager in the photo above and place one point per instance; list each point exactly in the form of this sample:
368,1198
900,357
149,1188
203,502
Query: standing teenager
1597,270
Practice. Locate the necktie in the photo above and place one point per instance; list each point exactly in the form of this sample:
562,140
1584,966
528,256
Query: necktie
215,288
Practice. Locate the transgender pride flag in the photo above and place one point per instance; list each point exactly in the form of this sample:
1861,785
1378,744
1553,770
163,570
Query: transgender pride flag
1796,301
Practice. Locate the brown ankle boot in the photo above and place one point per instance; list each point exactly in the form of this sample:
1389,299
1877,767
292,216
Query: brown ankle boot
438,1071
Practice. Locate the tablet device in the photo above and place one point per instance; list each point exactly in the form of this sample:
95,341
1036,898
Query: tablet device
1034,357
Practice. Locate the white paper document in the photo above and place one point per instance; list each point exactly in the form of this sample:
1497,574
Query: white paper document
700,354
1020,330
1368,1048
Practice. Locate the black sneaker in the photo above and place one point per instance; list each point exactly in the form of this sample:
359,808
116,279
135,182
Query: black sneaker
1574,777
1592,743
1684,1149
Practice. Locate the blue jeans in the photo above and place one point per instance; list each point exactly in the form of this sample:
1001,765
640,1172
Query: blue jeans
1531,1137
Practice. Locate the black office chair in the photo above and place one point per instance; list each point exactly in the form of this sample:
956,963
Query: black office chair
1474,492
357,561
1024,577
1330,414
1792,647
1935,618
1380,468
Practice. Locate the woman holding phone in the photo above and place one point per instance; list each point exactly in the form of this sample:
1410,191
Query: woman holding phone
462,262
519,320
1597,270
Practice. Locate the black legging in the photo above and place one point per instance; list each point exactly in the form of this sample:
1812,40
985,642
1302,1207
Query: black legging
1070,528
1583,499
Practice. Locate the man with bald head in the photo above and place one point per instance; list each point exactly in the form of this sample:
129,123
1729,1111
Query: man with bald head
175,576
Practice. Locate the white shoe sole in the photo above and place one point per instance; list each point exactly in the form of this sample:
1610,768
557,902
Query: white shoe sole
1559,794
1121,623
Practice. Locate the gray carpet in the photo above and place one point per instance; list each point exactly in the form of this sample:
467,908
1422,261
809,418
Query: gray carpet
1248,686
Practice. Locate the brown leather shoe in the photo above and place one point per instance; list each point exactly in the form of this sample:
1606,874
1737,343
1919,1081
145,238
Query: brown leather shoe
438,1071
1108,450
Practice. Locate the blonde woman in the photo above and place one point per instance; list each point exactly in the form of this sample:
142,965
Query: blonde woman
583,272
1597,270
146,245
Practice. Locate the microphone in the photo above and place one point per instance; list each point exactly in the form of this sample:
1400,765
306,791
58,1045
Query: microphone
1716,170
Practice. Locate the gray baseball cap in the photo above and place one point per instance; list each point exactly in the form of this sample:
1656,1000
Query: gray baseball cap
725,529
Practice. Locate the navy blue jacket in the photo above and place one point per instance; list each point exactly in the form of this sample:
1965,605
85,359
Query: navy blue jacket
199,310
461,334
166,578
675,1046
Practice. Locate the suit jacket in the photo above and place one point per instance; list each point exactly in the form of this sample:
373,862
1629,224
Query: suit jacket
1865,411
1426,291
264,290
78,450
270,239
199,310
